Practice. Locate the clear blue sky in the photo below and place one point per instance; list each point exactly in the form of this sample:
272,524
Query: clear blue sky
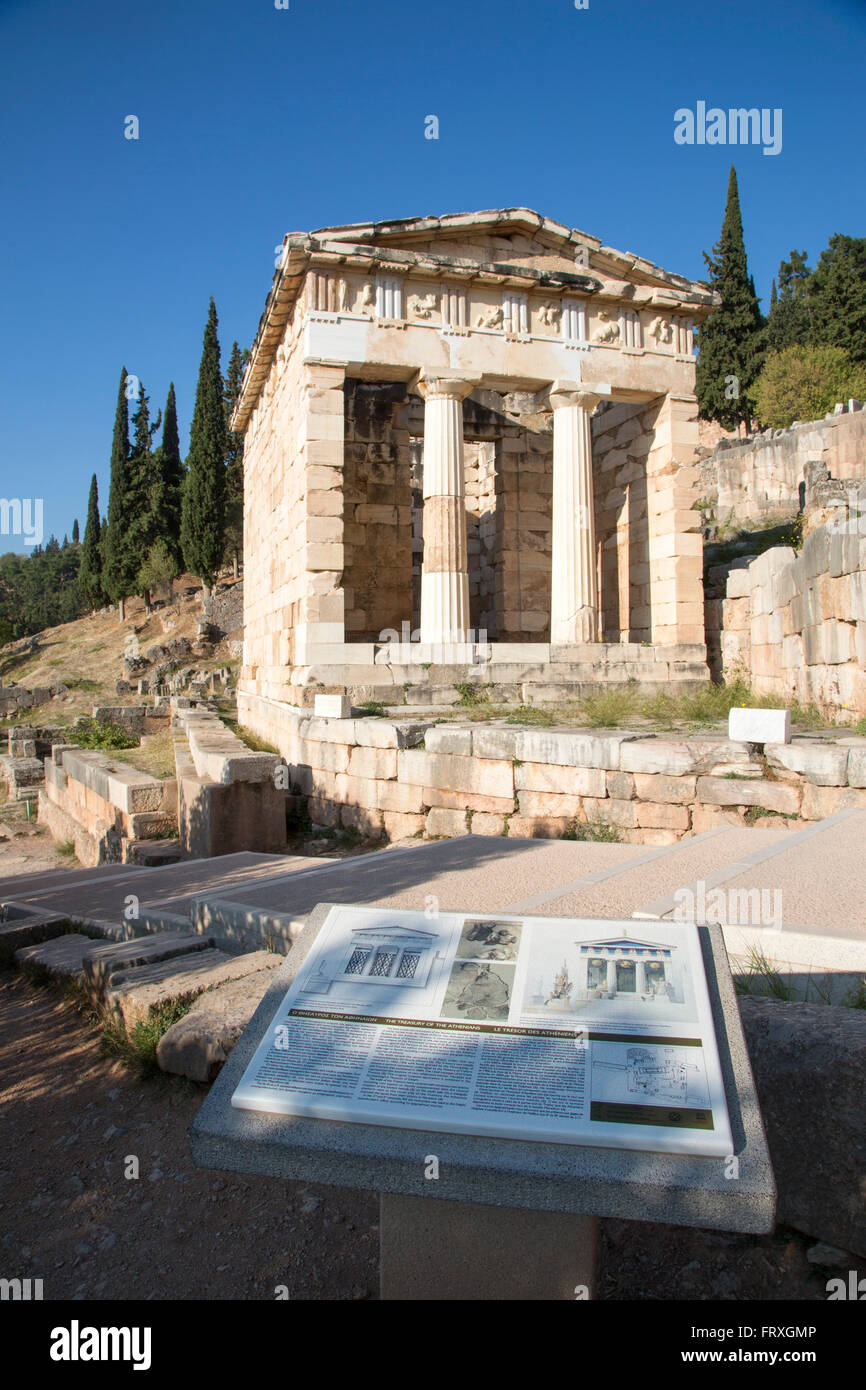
256,121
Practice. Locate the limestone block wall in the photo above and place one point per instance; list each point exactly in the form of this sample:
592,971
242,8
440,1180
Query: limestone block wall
102,805
647,531
796,623
377,511
761,476
293,517
402,778
229,797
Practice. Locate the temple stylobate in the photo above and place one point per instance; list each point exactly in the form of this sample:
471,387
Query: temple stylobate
469,441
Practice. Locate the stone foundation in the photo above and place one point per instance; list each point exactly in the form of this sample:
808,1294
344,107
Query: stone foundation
395,779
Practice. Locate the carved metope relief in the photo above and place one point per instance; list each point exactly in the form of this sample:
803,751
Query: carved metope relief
422,306
490,318
662,331
549,315
607,330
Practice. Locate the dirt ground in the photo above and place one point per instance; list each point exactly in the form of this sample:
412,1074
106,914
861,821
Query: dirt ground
25,846
71,1117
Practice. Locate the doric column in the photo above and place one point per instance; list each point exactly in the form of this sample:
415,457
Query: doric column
574,579
445,568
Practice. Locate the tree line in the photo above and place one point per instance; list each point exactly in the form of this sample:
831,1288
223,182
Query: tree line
165,516
803,357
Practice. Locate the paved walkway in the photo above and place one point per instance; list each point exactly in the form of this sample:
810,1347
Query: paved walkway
817,870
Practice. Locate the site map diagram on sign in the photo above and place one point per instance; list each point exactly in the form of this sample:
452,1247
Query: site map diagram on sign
554,1029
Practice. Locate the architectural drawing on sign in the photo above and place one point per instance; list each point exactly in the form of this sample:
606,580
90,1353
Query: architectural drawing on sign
391,956
619,966
608,976
666,1073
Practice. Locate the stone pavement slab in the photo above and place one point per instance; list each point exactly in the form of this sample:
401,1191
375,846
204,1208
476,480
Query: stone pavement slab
63,956
137,992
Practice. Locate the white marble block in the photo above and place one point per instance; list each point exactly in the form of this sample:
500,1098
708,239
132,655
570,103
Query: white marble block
759,725
333,707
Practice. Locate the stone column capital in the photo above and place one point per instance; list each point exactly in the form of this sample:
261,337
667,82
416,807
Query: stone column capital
562,393
444,385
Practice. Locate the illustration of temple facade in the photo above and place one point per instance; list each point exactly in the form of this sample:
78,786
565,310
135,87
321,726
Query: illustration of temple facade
620,966
475,431
401,957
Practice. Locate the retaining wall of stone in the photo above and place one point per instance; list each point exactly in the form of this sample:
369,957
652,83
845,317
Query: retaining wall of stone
761,476
230,798
795,624
102,805
402,778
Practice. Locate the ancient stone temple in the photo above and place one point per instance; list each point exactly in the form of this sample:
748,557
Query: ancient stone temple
469,446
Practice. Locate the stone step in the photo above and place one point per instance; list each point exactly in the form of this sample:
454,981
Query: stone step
103,964
135,993
155,854
198,1044
63,956
22,926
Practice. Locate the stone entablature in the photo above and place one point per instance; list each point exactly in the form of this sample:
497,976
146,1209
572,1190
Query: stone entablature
398,778
541,326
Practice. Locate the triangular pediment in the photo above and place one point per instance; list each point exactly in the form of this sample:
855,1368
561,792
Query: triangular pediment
618,942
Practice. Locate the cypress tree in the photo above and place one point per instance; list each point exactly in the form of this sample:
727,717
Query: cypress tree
788,324
120,561
730,342
234,459
168,473
143,488
203,509
90,572
76,534
836,296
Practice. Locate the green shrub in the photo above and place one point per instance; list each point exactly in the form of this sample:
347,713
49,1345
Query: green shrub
803,383
95,733
596,831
